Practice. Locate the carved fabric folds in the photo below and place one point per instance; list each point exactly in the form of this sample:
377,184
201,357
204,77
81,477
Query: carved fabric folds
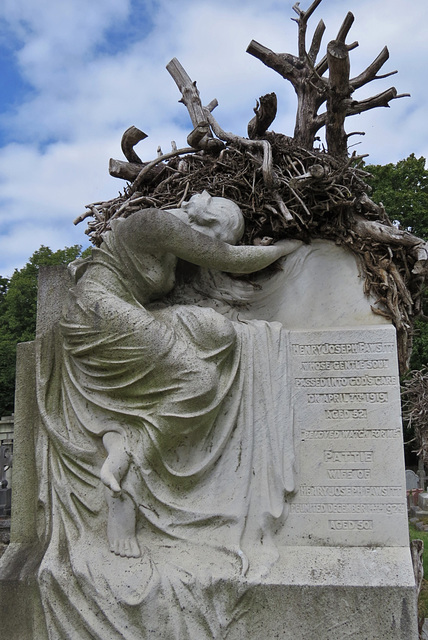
202,402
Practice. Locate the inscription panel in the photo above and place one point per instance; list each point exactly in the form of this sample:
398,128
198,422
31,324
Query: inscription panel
349,449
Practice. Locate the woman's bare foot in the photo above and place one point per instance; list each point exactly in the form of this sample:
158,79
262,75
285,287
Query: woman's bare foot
126,547
121,526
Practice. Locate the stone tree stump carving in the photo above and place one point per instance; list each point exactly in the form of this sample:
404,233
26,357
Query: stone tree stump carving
289,186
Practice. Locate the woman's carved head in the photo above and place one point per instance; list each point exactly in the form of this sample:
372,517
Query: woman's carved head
214,216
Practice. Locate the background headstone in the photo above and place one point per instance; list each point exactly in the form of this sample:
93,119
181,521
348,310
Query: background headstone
412,480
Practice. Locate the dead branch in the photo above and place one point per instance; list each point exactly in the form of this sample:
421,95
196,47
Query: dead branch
190,94
83,216
124,170
192,101
145,171
285,187
232,138
265,114
345,28
370,73
195,137
305,15
322,65
415,408
302,22
386,234
339,91
129,171
129,139
316,42
380,100
306,76
282,63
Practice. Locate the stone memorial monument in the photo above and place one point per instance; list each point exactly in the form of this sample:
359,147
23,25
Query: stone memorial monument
207,434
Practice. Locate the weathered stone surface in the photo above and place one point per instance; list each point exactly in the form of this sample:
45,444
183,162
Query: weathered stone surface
4,531
412,480
309,292
347,423
313,293
22,617
423,501
25,480
295,528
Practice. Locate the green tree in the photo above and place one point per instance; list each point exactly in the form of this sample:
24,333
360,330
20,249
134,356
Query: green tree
403,190
18,308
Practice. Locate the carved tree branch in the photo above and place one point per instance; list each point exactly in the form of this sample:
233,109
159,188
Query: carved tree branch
304,17
380,100
283,63
309,87
188,90
125,170
265,114
339,92
316,41
345,28
269,176
237,140
195,137
390,236
306,14
309,12
148,168
354,107
370,73
322,65
129,139
302,21
313,90
191,99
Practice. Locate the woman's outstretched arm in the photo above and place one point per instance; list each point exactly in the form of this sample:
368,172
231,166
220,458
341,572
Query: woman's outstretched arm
157,231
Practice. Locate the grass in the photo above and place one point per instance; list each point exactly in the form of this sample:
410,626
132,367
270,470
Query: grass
423,596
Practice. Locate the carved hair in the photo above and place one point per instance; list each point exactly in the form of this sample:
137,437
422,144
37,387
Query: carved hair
231,213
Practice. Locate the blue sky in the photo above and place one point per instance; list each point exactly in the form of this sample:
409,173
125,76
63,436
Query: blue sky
76,74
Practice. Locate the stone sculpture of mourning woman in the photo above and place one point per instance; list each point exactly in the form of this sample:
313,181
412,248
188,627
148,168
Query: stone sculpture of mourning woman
170,439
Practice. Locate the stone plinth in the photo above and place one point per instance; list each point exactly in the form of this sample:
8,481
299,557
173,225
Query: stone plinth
327,593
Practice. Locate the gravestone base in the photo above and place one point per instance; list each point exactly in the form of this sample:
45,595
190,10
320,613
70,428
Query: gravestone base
22,615
310,594
329,593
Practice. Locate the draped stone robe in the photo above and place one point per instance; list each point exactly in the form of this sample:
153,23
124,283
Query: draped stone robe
203,404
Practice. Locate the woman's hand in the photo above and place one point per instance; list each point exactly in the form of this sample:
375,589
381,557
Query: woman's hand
287,246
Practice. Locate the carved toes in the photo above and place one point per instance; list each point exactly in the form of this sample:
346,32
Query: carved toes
125,547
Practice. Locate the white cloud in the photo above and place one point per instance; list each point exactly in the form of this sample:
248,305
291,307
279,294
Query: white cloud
29,239
85,94
53,30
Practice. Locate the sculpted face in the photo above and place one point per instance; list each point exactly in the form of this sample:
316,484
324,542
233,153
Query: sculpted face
216,217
